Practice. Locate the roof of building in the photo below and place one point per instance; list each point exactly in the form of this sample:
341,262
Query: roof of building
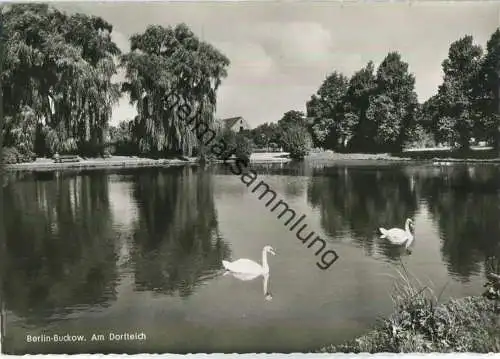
231,121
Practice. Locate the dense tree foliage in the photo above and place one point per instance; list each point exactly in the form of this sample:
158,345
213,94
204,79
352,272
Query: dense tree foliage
362,87
59,94
294,134
169,68
265,136
489,86
457,112
368,112
121,139
378,111
292,118
325,110
297,141
56,80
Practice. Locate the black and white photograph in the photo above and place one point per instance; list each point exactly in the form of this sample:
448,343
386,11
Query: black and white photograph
250,177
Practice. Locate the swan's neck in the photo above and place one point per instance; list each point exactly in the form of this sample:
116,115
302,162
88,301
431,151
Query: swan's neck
408,234
264,261
407,227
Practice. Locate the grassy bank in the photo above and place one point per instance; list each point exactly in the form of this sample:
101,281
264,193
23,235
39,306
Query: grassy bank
421,324
427,155
46,164
447,153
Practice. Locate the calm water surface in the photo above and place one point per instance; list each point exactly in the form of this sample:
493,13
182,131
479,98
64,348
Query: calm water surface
140,251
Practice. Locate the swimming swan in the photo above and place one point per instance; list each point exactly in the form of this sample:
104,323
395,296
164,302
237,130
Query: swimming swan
397,235
248,266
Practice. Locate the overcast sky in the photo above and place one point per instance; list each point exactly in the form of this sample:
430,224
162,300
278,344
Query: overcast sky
281,52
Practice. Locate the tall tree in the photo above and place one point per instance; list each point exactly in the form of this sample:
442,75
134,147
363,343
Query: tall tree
329,125
491,89
362,86
458,114
265,134
392,110
292,118
58,77
171,61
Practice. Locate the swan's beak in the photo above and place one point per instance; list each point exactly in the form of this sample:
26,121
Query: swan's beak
272,252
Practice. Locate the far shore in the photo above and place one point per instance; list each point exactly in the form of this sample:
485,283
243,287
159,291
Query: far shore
47,164
432,156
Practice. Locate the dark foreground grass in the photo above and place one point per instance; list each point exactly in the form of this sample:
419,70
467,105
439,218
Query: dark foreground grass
421,324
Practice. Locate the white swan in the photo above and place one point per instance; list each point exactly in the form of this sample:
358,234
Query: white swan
249,267
397,235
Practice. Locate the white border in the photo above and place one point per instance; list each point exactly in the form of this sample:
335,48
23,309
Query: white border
274,356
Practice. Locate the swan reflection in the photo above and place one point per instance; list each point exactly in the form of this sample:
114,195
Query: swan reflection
248,277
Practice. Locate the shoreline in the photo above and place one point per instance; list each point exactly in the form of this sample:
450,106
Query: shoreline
461,318
125,162
118,162
326,157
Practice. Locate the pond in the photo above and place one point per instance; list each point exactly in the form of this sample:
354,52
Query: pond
140,251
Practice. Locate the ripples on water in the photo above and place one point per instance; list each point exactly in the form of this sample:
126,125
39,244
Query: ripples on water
144,248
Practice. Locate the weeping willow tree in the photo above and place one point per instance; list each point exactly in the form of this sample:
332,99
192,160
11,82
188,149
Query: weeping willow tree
57,80
170,68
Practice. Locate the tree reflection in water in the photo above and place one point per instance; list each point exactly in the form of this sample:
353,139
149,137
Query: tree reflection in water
464,201
59,245
360,200
58,253
177,243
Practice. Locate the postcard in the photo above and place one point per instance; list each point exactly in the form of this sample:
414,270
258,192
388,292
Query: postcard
250,177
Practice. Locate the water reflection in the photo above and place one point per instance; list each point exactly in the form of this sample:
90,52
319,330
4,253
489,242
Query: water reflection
177,245
64,253
360,200
464,201
249,277
60,253
67,250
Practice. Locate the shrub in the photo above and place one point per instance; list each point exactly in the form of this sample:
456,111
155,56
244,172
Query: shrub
243,147
121,139
297,141
237,144
11,155
420,138
419,324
